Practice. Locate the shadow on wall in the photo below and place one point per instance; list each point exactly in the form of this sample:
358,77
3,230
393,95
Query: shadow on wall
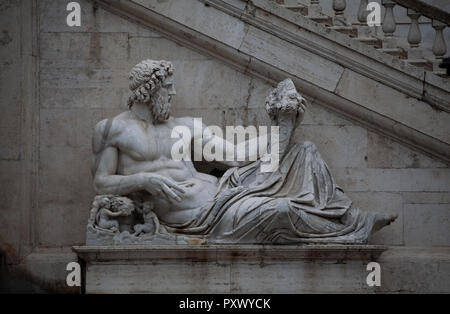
14,278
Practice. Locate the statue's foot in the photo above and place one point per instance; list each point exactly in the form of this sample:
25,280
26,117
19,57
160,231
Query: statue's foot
384,220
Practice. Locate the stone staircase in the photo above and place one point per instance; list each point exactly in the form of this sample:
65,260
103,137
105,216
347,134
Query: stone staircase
382,37
342,73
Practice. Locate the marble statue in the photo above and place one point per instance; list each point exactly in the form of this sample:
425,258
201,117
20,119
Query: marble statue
172,202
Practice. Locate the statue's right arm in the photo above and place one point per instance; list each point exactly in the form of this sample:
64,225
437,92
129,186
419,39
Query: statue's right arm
107,181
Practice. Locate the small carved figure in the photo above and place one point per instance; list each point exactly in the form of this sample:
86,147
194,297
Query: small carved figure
106,208
151,223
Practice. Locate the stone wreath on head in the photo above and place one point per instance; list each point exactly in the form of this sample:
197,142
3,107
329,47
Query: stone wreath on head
146,78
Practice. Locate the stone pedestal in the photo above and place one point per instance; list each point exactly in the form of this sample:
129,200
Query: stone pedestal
227,268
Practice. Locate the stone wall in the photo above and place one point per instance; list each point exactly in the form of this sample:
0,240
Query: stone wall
18,128
82,78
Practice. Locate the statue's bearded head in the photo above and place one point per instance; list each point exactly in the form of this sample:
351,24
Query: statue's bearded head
151,83
284,99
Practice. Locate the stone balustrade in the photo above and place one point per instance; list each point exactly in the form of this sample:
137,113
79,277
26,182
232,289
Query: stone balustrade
383,37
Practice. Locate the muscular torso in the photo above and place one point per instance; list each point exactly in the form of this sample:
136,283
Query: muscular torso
146,147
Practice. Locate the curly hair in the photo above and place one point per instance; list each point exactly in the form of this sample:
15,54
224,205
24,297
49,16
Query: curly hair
274,105
146,78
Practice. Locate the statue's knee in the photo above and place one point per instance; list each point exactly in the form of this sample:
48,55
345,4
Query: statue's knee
282,207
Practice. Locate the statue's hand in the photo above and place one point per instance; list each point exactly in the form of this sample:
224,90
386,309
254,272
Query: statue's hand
159,185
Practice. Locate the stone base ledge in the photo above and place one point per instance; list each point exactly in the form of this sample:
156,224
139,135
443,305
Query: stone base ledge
227,268
403,270
263,269
98,254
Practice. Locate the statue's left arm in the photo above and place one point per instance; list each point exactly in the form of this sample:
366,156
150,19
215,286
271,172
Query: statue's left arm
233,155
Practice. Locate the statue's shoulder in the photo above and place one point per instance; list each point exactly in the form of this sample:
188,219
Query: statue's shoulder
184,121
114,124
107,128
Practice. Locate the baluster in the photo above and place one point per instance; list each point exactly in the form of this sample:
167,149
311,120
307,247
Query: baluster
315,10
294,5
439,46
366,34
339,20
415,55
362,12
339,8
315,13
389,25
414,35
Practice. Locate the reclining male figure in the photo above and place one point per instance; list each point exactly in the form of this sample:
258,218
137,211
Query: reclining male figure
298,202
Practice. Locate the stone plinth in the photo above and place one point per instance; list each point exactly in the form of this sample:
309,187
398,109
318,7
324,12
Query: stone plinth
227,268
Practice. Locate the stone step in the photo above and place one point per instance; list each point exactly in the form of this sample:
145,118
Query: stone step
303,10
371,41
442,75
348,30
326,20
427,65
396,52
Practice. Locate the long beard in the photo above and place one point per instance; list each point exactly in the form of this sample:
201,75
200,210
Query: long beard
160,110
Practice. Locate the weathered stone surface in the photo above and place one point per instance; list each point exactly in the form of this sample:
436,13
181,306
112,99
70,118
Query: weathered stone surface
69,127
9,209
383,152
241,269
318,115
389,102
395,180
10,105
53,221
10,37
77,49
219,25
9,137
426,197
415,270
53,16
16,102
190,277
43,271
78,77
86,98
292,59
427,224
161,48
208,90
64,184
227,269
339,145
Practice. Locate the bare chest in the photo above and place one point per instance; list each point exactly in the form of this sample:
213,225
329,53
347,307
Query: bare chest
146,142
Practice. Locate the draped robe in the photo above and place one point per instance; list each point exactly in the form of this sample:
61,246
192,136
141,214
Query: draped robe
298,203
